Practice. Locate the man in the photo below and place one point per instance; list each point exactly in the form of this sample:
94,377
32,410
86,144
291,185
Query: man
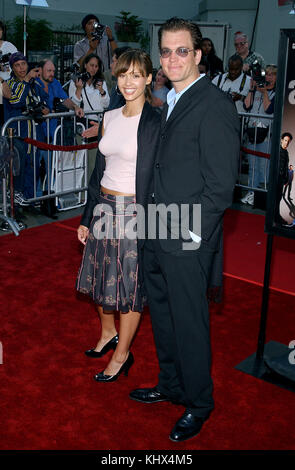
88,45
288,185
196,163
249,57
25,94
283,174
234,82
53,89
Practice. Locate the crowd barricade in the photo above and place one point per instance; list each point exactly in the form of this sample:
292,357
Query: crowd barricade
254,155
65,161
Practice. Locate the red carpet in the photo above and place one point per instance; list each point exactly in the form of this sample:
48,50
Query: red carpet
48,397
245,248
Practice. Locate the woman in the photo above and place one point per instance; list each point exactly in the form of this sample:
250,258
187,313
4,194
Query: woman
260,100
122,176
160,90
214,64
91,94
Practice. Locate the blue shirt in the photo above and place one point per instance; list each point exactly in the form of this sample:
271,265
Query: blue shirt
173,97
55,90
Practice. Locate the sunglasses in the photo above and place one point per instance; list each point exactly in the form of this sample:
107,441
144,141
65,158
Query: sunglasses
180,51
240,43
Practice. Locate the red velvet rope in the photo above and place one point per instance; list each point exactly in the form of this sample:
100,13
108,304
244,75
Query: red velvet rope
65,148
253,152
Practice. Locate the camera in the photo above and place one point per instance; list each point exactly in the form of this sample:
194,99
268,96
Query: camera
258,74
58,106
98,31
4,58
74,69
34,109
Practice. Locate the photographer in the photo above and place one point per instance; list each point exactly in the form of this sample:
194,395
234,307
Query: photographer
54,93
27,97
260,100
234,82
98,40
241,42
91,93
6,49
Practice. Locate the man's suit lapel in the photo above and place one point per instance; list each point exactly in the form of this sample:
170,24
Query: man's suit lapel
183,102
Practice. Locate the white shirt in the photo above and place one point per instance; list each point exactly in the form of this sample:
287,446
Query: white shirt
233,86
98,102
6,48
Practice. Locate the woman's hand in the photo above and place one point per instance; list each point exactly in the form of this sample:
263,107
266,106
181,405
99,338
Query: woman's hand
82,233
79,84
79,112
91,131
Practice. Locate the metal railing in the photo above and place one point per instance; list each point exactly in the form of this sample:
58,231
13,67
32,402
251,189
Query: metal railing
61,179
254,155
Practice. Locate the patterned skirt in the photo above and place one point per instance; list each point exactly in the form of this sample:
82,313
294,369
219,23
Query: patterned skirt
109,268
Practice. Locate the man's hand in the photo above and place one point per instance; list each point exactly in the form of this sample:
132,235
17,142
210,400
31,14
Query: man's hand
82,233
91,131
93,43
157,101
45,111
246,67
109,32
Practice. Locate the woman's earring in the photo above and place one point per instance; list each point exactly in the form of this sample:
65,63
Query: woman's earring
118,91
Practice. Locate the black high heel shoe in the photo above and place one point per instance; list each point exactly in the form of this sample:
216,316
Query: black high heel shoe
112,344
101,377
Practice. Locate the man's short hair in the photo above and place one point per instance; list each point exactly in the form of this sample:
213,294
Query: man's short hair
242,35
88,18
120,50
179,24
287,134
235,58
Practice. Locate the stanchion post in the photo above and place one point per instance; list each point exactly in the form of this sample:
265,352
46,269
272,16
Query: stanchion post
11,151
265,298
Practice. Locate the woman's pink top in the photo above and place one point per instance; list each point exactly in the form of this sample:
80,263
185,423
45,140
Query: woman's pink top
119,146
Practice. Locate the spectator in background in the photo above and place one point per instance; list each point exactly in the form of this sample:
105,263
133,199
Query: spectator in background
260,101
117,100
160,89
90,45
5,70
234,82
91,95
53,90
242,48
214,64
25,93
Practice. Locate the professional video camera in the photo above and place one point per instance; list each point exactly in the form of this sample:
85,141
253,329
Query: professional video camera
4,58
98,31
258,74
74,69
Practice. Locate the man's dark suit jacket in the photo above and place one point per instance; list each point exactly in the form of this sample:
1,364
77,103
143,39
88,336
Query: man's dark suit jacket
197,158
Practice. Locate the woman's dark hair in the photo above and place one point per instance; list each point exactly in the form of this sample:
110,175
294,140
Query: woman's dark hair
99,74
212,52
142,60
3,27
178,24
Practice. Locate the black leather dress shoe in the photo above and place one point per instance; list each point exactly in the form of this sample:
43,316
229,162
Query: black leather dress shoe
112,344
148,395
186,427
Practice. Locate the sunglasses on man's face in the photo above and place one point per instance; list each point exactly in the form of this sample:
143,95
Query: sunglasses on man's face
180,51
240,43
